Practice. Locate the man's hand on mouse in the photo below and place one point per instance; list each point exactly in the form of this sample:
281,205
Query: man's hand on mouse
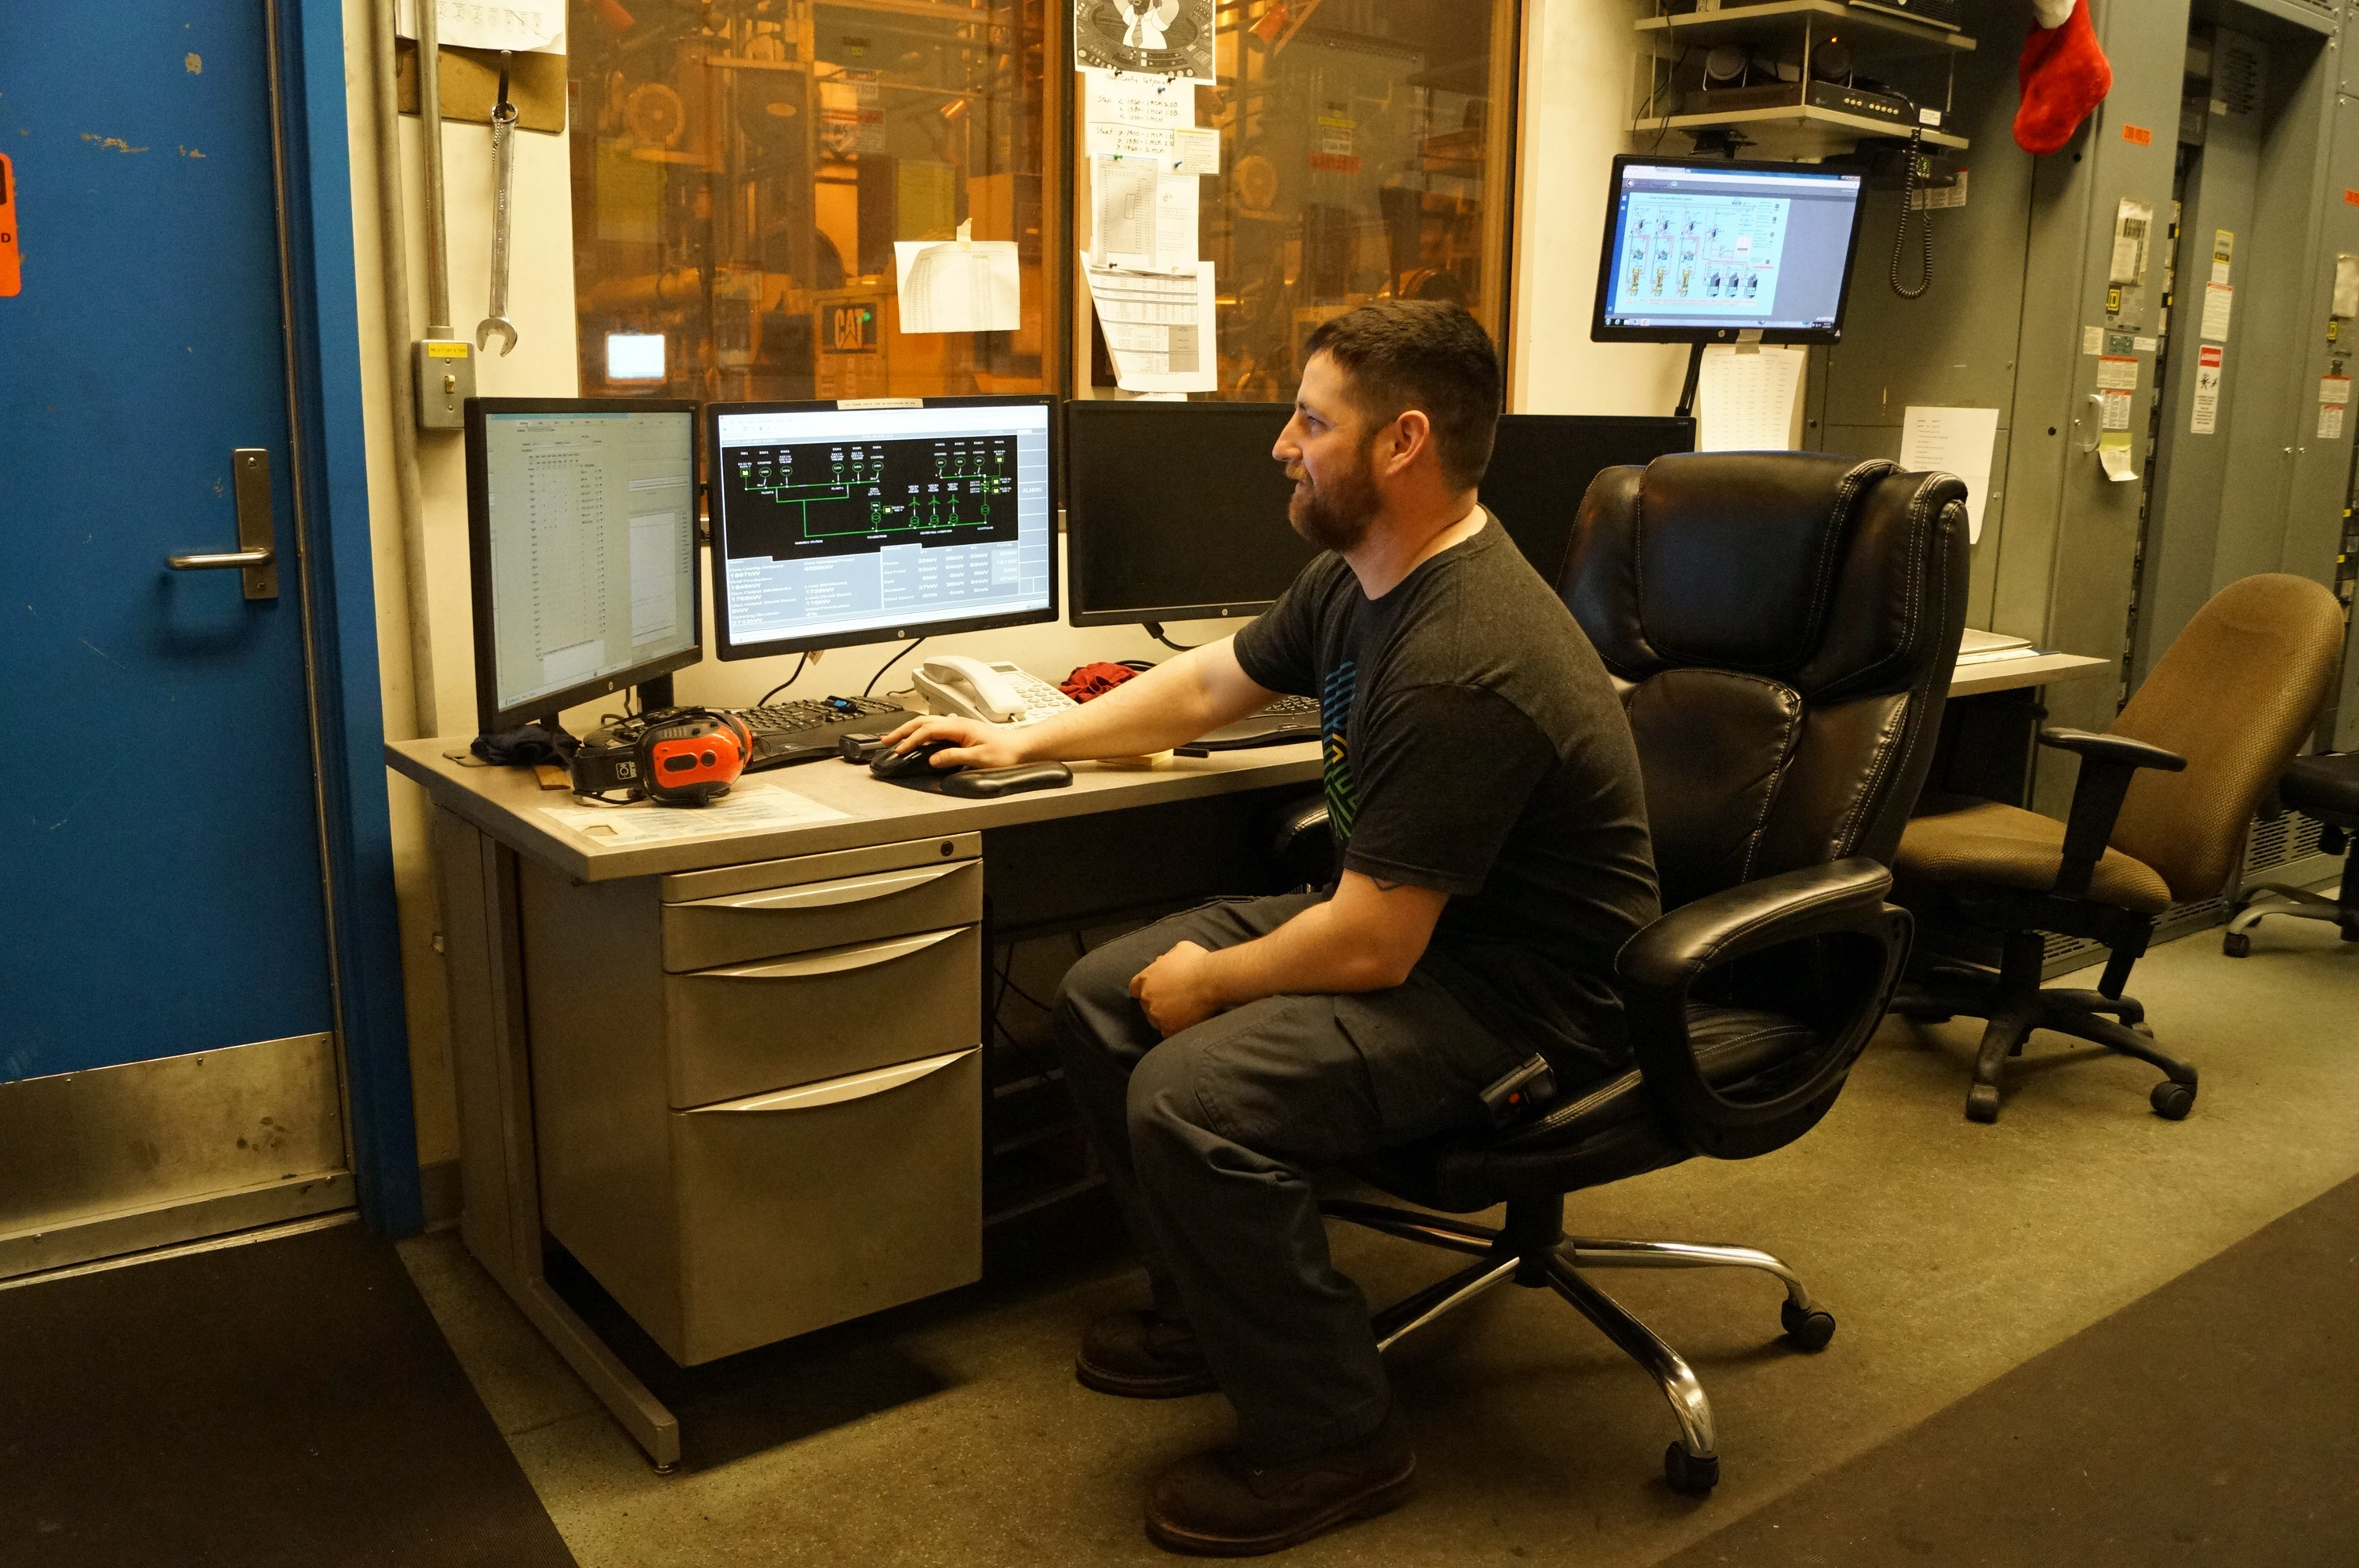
1176,991
975,743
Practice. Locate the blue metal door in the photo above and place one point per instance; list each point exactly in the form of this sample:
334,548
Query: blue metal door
159,843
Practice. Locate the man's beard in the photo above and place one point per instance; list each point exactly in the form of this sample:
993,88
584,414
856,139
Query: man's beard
1336,515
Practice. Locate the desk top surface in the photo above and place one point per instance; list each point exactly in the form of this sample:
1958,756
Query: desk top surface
847,809
851,809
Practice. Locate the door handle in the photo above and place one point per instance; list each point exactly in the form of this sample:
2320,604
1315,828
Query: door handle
255,555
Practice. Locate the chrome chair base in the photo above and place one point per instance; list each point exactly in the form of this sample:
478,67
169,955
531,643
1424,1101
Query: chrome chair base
1532,1250
2342,914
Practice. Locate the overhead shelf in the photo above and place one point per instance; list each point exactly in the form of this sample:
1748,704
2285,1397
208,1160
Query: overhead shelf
1799,132
1867,34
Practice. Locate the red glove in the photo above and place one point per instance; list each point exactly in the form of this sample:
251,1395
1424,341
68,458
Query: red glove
1094,680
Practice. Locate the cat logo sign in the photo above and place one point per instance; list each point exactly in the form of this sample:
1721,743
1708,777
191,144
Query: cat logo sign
852,327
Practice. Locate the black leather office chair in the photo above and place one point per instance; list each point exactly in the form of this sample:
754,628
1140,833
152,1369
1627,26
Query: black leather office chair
2326,789
1784,625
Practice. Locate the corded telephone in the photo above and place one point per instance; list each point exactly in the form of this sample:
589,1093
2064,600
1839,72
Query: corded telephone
997,693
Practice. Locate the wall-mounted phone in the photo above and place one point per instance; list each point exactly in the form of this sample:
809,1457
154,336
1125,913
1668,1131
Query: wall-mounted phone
998,692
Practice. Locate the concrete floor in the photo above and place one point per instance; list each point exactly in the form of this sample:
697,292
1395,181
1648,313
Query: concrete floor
952,1432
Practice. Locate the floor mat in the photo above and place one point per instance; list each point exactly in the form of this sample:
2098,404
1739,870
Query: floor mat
2213,1422
286,1402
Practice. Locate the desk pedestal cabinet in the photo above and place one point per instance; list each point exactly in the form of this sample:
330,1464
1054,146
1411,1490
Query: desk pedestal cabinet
759,1088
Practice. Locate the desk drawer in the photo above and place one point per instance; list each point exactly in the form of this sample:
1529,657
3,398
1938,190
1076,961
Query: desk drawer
773,922
812,1206
765,1025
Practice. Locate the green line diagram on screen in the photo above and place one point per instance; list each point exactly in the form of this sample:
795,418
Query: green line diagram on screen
882,487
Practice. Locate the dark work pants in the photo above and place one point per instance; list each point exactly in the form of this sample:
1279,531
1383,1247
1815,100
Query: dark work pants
1210,1140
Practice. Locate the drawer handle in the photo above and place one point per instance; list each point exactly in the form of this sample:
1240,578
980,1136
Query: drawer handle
836,1091
819,895
833,961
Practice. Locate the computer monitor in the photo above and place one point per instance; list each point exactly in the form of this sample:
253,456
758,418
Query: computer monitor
581,528
1699,250
1541,465
834,523
1176,511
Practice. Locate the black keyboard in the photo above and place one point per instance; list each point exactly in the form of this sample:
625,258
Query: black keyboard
808,729
1282,723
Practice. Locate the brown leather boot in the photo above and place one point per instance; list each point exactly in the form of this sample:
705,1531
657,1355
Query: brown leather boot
1139,1356
1224,1505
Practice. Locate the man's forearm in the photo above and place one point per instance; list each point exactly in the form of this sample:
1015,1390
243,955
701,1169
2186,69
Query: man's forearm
1312,954
1153,712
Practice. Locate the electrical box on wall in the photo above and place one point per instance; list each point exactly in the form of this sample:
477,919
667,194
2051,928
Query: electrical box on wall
445,373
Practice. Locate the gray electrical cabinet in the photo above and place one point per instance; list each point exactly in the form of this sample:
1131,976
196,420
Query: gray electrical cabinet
2070,293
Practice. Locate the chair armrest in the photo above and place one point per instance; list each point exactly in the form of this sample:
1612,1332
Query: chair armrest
1678,949
1302,842
1866,942
2108,763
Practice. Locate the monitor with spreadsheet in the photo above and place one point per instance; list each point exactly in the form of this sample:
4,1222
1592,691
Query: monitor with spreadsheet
1700,250
836,524
581,526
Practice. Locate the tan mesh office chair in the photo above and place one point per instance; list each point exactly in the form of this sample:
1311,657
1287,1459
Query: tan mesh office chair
2213,726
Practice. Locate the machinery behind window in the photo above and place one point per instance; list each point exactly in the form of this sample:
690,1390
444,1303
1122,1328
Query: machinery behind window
1364,152
743,170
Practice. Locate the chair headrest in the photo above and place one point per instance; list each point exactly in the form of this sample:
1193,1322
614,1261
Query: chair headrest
1801,566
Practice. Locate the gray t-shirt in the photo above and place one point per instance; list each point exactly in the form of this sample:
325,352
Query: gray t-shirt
1474,746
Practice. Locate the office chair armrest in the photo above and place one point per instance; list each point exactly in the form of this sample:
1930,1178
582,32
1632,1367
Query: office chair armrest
2108,762
1864,943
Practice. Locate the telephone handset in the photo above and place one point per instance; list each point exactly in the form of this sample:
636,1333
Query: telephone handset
997,693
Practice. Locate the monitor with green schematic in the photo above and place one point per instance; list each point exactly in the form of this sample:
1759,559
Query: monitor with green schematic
835,524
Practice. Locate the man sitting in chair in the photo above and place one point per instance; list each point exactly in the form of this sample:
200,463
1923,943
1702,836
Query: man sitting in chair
1484,795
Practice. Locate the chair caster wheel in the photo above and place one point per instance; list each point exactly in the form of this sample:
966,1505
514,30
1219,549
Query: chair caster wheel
1807,1330
2236,944
1982,1103
1689,1475
2172,1101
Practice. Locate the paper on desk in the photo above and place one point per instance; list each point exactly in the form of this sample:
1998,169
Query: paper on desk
1748,394
959,286
752,805
1157,325
1953,440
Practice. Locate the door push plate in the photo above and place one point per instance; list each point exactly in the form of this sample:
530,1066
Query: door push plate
256,556
255,531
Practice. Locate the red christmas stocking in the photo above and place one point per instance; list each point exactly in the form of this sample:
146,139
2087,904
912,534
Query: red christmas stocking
2064,75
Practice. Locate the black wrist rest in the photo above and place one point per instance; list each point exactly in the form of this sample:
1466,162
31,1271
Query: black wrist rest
989,784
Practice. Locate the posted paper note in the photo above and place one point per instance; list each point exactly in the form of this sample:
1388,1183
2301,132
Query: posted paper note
1953,440
1145,38
1158,326
1748,399
959,286
527,27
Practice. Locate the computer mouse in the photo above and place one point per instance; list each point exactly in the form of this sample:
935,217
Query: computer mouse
915,763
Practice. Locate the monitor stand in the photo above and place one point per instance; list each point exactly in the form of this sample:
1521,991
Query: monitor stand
1688,392
654,694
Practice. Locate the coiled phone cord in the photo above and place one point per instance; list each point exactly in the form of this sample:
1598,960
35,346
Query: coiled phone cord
1924,223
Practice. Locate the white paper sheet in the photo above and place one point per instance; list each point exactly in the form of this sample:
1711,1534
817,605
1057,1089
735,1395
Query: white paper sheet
2117,373
750,805
2113,456
1748,399
2346,286
959,286
2219,301
1158,326
527,26
1177,199
1953,440
1122,213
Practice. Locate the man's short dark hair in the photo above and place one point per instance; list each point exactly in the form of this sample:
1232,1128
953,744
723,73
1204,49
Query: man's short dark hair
1427,354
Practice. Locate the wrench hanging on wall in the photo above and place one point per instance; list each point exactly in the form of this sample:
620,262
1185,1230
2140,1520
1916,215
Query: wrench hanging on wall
503,122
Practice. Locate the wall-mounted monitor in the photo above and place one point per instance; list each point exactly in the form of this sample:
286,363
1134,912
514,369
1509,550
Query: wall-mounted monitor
1711,251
